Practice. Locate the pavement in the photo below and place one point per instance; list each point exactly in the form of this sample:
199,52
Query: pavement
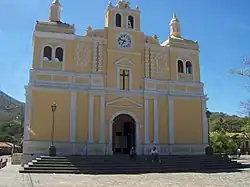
10,177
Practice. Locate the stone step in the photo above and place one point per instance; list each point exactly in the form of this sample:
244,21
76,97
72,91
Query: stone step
129,171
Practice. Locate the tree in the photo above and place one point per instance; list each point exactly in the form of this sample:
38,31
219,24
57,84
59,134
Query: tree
246,73
222,143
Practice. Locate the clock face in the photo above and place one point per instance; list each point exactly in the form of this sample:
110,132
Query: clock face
124,40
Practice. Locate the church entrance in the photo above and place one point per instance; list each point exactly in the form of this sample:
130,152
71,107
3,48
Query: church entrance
123,134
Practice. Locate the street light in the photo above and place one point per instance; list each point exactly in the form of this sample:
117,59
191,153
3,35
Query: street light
52,149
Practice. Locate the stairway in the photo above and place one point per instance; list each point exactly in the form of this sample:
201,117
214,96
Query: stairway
121,164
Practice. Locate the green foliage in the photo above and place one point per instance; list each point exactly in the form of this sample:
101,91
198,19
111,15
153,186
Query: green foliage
222,143
11,131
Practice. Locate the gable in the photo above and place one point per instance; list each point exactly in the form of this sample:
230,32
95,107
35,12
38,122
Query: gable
124,103
124,62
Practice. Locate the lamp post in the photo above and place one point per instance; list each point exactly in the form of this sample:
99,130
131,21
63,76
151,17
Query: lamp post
52,148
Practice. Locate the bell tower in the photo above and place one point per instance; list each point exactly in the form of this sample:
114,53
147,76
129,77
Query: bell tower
121,15
175,29
55,11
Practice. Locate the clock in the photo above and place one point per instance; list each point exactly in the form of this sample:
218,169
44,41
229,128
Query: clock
124,40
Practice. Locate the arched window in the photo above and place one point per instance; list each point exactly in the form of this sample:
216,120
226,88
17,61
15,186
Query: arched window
130,22
118,20
180,66
59,54
47,53
188,67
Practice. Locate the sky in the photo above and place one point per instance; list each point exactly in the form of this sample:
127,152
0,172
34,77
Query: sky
222,28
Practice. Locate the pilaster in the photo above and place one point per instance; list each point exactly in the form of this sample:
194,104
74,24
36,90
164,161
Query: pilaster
156,125
91,119
27,112
171,119
102,119
146,130
204,121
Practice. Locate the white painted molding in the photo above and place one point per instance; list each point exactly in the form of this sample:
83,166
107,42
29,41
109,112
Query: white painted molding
27,113
146,128
156,125
204,122
52,35
171,119
73,111
124,62
128,100
123,52
102,119
91,119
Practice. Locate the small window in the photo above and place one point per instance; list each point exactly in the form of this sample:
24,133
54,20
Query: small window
180,66
188,67
47,53
118,20
130,22
59,54
124,79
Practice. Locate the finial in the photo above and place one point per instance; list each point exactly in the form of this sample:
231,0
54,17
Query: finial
56,2
110,3
137,7
175,17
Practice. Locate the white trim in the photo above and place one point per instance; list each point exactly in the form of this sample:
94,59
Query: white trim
27,113
128,100
91,119
128,64
137,124
171,119
118,76
156,125
102,119
59,36
146,128
115,13
204,122
73,105
132,29
123,52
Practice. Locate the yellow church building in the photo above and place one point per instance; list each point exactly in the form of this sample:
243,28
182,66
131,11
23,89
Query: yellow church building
114,88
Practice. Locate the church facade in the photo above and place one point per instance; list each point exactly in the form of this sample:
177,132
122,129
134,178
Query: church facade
114,88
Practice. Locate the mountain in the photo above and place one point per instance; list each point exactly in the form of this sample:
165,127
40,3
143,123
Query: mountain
10,108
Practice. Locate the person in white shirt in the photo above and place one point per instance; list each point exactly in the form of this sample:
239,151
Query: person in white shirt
154,154
238,152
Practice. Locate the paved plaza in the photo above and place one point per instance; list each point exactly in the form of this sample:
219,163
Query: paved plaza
9,177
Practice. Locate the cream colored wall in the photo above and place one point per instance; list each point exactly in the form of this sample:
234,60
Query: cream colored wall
82,117
187,120
41,115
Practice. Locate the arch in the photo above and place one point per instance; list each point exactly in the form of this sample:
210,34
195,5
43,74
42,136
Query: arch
130,22
180,66
47,52
118,20
59,54
136,124
188,67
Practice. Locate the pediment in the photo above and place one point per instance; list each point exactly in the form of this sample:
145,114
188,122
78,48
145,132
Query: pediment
124,103
124,62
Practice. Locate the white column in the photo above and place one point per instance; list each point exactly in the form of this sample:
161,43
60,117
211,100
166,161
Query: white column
204,122
91,118
156,125
171,119
28,92
102,120
73,105
146,132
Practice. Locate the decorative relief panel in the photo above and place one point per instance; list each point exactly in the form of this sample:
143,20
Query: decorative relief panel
161,63
82,54
98,56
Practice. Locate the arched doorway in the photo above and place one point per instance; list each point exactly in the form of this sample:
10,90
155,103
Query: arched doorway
123,134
